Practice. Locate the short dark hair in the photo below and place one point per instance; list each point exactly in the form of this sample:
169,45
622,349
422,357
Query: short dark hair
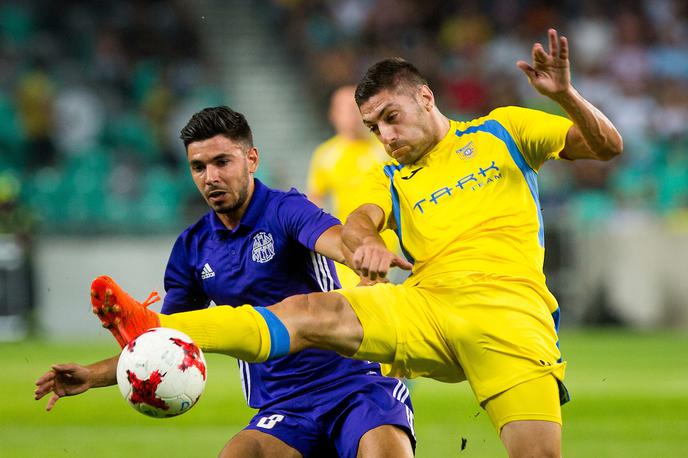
387,74
213,121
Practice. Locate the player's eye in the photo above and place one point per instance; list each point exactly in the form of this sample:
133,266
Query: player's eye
373,128
197,167
392,116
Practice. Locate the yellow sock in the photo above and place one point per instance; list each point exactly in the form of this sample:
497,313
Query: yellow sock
241,332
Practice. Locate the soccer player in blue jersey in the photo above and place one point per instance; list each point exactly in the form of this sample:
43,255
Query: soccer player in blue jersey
259,245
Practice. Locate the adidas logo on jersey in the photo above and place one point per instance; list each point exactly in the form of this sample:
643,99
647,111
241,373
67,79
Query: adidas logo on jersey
207,272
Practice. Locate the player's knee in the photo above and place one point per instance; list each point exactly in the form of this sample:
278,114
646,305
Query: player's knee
536,451
322,312
240,445
532,439
303,315
322,320
299,309
385,441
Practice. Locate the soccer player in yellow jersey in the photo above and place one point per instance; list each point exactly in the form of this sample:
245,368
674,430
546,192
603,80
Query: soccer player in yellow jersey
339,165
463,199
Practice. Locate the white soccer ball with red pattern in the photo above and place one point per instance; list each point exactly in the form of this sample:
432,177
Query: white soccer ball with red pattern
161,373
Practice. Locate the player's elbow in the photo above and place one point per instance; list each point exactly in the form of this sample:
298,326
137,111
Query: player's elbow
612,148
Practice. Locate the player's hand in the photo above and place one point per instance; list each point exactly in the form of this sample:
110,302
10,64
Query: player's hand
63,380
549,73
368,282
373,260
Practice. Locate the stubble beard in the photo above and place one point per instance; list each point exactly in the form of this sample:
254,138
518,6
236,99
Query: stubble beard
232,207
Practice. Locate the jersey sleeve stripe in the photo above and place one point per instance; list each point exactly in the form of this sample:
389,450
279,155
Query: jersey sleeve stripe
328,281
390,170
321,270
316,270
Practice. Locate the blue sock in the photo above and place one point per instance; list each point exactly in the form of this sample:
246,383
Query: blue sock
279,336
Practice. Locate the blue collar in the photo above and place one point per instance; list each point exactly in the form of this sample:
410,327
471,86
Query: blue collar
254,211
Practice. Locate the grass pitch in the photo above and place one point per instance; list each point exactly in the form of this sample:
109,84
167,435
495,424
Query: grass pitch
629,390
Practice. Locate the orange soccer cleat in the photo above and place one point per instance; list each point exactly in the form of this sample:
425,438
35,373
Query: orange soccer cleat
125,317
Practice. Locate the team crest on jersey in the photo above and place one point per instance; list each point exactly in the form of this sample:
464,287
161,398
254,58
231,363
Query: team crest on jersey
466,152
263,247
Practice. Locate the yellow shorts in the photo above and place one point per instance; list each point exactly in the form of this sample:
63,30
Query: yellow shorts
496,332
536,399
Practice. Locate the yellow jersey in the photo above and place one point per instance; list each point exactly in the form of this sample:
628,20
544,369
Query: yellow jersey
471,203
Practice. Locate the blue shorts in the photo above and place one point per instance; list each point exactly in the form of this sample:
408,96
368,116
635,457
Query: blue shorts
332,420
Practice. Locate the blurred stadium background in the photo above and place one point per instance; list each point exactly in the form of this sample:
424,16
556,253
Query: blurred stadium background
93,180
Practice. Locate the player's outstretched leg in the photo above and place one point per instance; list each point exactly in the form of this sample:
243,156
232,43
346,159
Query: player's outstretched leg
122,315
245,332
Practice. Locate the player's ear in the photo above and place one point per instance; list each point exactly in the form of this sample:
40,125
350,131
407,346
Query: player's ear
427,98
253,159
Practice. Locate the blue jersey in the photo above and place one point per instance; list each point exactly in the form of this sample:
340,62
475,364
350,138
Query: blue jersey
269,256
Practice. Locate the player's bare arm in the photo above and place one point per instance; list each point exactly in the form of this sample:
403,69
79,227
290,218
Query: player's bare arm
72,379
317,198
371,258
592,136
329,244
